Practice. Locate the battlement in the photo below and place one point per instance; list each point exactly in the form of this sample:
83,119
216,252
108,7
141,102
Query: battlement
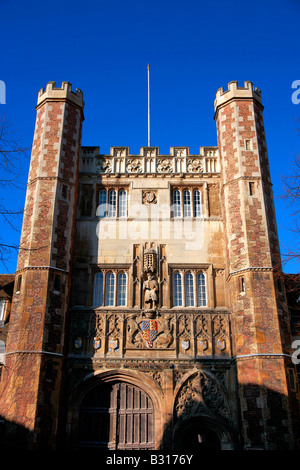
120,161
236,92
65,93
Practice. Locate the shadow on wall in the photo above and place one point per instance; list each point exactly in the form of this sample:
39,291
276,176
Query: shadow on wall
197,429
13,436
194,427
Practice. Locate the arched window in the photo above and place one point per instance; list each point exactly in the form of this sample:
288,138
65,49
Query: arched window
121,301
201,290
176,203
98,289
189,290
122,203
197,203
177,290
101,212
187,210
110,289
112,203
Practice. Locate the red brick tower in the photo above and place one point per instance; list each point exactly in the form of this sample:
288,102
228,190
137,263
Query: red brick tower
31,379
261,337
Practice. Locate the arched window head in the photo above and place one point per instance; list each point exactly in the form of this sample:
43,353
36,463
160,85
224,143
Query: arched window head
177,290
98,289
201,290
189,290
110,289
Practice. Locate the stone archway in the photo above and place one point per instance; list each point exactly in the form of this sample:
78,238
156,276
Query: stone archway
196,435
201,414
116,416
115,410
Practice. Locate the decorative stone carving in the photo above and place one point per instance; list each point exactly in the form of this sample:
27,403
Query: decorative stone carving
201,394
104,165
150,260
195,165
134,165
150,288
149,197
164,165
143,332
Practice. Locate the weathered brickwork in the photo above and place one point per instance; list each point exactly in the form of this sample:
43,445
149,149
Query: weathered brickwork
259,324
36,339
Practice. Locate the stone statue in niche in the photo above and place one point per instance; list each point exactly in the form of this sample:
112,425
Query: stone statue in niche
150,288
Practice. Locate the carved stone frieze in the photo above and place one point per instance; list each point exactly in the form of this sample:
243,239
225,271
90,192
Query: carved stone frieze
194,334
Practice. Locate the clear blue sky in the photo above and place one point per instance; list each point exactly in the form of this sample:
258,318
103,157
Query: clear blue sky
194,47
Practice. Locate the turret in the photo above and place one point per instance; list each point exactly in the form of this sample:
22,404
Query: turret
261,336
31,380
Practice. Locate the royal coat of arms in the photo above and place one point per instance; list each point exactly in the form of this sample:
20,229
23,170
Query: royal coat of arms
149,331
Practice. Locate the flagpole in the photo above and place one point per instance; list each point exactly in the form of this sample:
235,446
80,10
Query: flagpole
148,105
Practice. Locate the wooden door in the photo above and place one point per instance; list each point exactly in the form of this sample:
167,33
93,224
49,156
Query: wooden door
117,416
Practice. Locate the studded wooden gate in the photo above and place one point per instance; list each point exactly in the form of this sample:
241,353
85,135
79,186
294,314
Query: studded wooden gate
117,416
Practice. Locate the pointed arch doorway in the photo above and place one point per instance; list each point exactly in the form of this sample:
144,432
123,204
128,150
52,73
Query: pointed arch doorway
116,416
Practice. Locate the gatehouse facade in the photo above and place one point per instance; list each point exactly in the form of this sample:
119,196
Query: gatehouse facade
148,310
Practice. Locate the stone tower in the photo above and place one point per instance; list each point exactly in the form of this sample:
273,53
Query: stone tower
261,341
31,379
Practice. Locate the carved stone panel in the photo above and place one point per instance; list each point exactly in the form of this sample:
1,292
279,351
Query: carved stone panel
201,394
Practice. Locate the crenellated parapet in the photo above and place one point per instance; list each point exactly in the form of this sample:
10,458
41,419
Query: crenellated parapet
235,92
65,92
149,161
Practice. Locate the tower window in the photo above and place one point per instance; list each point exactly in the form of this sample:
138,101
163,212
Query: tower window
201,290
187,210
176,203
177,290
242,287
101,212
112,203
19,282
247,144
98,289
197,203
64,192
110,289
121,290
251,188
191,293
122,203
57,283
2,309
189,290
